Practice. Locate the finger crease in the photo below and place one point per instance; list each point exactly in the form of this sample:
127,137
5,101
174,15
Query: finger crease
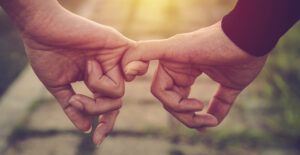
180,100
67,106
222,100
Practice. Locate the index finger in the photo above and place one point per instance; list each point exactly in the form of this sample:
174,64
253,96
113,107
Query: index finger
63,94
172,97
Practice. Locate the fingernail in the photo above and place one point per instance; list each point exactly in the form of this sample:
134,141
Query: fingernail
130,69
76,104
88,131
89,67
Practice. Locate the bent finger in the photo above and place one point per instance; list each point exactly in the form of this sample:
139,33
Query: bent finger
95,107
105,126
110,84
80,120
165,90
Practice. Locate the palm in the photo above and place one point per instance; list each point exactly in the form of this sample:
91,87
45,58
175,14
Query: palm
59,49
57,66
183,75
233,69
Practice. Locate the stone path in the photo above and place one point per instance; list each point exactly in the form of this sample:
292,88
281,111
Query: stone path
16,101
143,126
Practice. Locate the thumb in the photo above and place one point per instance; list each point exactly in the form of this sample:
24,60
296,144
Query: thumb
136,60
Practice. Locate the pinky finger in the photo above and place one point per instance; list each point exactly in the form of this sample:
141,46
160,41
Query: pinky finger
135,68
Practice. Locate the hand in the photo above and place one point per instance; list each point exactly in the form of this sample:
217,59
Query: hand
182,59
64,48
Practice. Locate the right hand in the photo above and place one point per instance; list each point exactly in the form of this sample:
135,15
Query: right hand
182,59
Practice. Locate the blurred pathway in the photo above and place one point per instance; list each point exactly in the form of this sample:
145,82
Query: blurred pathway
143,126
16,101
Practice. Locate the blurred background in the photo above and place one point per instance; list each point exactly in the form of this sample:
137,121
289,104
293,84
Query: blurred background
264,120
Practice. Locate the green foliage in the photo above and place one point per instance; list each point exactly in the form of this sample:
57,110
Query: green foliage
282,85
245,139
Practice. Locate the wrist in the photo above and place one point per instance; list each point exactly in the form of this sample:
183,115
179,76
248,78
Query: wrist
256,26
217,48
28,15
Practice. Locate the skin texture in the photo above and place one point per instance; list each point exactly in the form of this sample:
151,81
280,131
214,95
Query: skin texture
63,48
182,59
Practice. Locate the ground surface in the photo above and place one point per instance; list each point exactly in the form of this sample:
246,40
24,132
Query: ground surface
143,126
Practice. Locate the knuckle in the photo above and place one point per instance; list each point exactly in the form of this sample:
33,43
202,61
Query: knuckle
120,92
152,89
218,123
86,125
117,90
119,106
117,112
70,112
155,90
176,107
117,84
128,57
134,47
166,107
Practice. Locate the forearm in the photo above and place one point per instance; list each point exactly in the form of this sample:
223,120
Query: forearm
25,13
256,25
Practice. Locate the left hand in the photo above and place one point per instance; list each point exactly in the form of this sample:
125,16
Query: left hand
63,48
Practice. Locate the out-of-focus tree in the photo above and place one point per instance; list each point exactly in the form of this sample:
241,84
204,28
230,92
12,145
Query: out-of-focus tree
282,85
